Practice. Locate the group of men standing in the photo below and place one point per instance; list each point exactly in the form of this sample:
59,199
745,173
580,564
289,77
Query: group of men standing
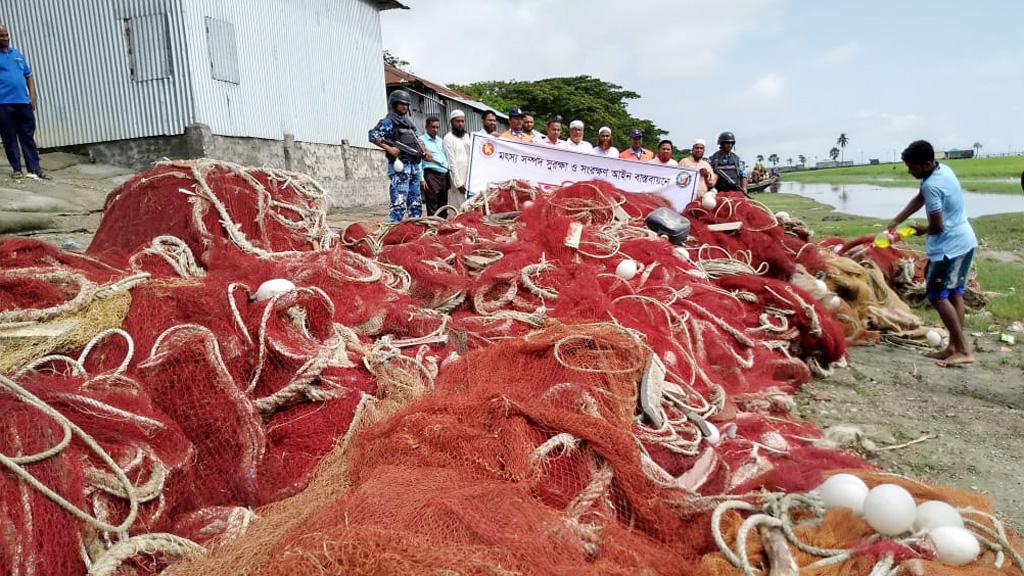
433,170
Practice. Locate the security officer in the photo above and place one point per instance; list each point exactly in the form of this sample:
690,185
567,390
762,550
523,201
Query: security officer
396,135
728,166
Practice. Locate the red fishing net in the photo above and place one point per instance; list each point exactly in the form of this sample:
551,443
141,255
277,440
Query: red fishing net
537,385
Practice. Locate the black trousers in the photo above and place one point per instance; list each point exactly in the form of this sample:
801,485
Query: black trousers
18,131
436,194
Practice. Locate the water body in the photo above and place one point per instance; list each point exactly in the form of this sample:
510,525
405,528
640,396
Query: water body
884,202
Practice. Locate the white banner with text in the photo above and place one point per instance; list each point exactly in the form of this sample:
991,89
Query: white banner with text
496,160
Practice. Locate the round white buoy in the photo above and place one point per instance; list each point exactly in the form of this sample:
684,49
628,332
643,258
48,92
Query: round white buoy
709,201
890,509
820,284
953,545
844,491
936,513
782,216
397,165
934,338
272,288
833,302
626,269
714,434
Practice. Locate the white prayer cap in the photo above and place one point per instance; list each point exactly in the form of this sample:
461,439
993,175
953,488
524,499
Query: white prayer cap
576,124
701,142
604,130
456,114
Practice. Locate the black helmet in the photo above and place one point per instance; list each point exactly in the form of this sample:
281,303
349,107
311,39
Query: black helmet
726,137
399,96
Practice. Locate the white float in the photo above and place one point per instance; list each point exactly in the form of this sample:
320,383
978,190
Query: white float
890,509
272,288
844,491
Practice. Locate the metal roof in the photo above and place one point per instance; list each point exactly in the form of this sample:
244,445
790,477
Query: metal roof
396,76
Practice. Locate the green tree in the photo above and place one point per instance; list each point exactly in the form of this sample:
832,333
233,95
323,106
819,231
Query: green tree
773,159
833,153
596,102
842,141
803,160
977,149
760,158
789,161
395,61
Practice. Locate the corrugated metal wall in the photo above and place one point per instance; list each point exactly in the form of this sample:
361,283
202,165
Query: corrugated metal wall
79,52
312,68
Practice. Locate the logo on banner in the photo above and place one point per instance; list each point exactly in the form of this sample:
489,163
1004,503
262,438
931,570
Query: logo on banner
488,149
683,179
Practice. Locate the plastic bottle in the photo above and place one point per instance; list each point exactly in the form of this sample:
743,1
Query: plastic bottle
887,238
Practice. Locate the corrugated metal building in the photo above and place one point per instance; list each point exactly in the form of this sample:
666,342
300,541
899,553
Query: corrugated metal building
294,84
433,99
121,69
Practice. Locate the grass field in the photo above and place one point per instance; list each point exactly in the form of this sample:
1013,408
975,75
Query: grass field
992,175
1000,257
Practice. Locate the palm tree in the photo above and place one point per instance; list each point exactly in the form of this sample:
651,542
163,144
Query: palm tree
790,162
842,141
833,153
803,159
774,159
977,149
760,158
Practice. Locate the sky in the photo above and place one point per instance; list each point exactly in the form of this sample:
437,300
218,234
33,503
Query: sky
787,76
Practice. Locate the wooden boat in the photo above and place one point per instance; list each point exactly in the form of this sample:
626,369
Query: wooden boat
762,185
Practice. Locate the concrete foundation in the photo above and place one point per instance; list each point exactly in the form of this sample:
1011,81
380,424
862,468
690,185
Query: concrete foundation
353,177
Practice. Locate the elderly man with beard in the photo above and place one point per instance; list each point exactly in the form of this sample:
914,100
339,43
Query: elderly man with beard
604,144
696,161
576,143
456,148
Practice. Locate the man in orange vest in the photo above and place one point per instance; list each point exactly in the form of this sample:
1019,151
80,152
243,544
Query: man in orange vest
515,127
636,150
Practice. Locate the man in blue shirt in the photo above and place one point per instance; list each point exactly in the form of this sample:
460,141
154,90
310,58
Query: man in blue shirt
434,178
396,135
950,245
17,102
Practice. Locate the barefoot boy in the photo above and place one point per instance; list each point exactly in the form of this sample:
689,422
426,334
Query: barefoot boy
950,244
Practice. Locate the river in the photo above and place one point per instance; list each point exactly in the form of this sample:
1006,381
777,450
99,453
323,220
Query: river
883,202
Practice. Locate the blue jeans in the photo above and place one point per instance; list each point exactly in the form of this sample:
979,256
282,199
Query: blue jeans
18,130
405,193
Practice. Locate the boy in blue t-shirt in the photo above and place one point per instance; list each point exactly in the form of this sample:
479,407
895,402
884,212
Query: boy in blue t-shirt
950,245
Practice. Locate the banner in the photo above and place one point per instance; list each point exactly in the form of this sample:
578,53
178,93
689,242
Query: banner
497,160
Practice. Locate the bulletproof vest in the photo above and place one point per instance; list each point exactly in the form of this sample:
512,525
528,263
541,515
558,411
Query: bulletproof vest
728,164
408,137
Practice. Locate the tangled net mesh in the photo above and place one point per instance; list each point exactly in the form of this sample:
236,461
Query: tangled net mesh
477,395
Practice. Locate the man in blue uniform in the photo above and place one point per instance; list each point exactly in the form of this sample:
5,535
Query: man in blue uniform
397,135
950,245
17,103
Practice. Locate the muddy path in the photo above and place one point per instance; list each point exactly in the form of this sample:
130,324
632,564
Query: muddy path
974,417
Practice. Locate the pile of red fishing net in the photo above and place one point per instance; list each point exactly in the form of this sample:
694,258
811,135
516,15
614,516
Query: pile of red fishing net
467,395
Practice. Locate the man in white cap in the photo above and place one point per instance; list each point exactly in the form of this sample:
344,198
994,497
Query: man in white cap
696,161
604,143
576,143
456,147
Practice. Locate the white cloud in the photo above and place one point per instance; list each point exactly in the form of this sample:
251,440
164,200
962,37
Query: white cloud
768,87
466,40
839,55
895,124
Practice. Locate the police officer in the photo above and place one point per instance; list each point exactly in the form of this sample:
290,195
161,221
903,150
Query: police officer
396,135
728,166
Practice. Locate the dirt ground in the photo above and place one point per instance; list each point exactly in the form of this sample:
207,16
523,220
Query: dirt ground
973,417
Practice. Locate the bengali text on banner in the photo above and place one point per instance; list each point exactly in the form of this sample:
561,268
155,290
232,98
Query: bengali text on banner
497,160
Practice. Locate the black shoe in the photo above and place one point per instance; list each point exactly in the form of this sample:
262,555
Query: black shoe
42,175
